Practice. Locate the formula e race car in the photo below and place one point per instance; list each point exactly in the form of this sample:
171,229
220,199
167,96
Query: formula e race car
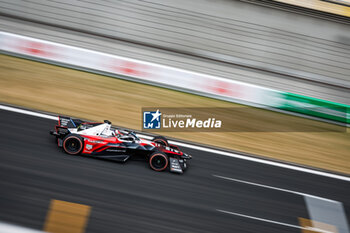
101,140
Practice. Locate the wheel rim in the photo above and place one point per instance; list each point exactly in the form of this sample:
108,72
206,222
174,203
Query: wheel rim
158,162
73,145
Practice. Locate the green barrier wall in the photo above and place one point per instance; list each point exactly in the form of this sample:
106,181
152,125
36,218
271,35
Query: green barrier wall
315,107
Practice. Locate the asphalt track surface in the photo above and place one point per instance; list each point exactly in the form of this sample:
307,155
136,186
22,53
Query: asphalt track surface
131,197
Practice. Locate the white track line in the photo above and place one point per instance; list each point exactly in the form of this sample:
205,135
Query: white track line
27,112
12,228
275,222
275,188
268,162
229,154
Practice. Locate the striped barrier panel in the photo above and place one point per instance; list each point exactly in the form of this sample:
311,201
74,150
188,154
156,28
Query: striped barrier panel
208,85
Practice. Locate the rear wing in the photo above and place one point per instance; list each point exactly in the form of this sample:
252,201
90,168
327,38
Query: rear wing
61,129
68,122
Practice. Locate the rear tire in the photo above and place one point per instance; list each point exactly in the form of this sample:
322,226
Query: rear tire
158,161
161,140
73,144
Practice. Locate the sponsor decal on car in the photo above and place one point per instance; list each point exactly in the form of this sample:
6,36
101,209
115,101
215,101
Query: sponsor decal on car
116,150
95,141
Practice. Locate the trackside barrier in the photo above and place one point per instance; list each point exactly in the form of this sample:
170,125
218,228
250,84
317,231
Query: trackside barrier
179,79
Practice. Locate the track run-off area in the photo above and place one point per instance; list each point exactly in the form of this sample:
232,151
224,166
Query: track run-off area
220,192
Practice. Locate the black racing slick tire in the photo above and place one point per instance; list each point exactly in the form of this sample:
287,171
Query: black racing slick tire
161,140
73,144
158,161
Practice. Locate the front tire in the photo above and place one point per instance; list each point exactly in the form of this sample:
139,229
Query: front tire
73,144
158,161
